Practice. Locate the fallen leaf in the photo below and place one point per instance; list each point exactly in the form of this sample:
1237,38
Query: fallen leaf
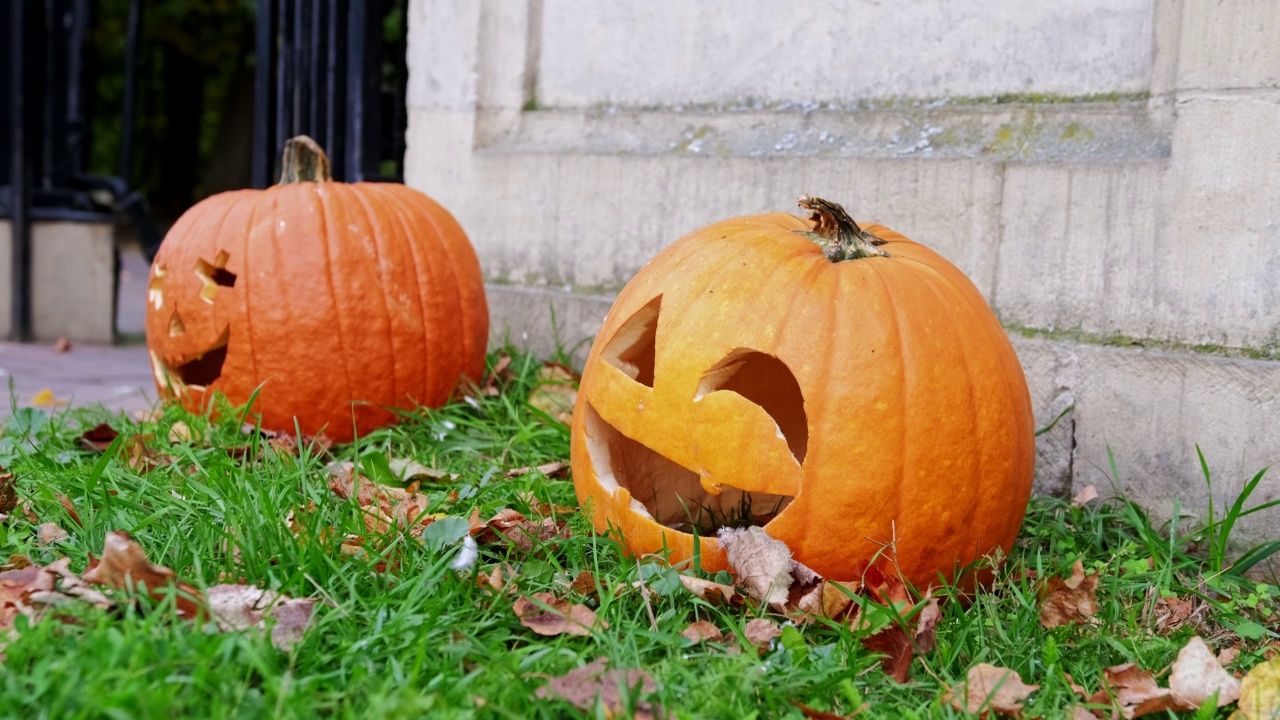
179,433
988,688
760,632
1197,675
500,371
408,470
1074,600
15,587
145,416
1080,713
555,391
546,614
244,607
8,492
1089,492
1133,690
550,470
761,564
50,533
585,686
1172,612
124,566
143,459
821,715
926,636
1228,655
888,590
702,630
714,593
893,644
69,505
45,398
584,584
1259,692
545,508
62,344
98,438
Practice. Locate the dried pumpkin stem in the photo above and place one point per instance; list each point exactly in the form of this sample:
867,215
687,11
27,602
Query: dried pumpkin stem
304,161
837,234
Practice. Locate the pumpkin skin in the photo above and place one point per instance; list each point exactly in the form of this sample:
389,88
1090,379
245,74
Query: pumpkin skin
341,300
880,394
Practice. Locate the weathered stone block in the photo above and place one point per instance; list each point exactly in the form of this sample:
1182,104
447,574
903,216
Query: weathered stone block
73,281
1228,45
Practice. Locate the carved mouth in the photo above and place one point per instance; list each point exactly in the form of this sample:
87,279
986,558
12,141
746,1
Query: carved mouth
194,373
668,492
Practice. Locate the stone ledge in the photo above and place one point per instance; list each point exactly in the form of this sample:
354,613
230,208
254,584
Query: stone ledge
1016,132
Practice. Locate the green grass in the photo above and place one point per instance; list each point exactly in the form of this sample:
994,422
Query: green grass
422,640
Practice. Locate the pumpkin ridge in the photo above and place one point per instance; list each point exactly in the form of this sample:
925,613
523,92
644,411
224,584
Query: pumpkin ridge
907,370
374,232
425,309
981,490
458,313
248,316
330,232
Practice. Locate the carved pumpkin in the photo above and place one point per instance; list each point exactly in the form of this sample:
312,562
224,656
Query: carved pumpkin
340,300
849,390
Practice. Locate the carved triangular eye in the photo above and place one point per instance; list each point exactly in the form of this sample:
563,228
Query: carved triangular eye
632,348
768,382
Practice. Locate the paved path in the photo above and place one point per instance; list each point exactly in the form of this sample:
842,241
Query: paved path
117,377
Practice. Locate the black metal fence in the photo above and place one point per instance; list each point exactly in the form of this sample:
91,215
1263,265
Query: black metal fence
332,69
331,73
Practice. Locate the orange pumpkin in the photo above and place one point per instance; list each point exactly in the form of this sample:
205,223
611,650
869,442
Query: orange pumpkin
341,301
849,390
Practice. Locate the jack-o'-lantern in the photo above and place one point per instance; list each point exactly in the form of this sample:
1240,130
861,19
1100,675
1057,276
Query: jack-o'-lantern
845,388
341,302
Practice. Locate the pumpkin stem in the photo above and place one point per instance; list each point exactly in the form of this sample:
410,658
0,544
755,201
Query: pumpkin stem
304,161
837,234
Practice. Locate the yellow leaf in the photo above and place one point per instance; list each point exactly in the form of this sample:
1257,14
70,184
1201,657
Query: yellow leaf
45,398
1260,692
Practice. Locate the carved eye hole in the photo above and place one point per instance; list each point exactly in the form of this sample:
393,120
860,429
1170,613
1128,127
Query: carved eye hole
214,275
633,347
768,382
155,291
176,327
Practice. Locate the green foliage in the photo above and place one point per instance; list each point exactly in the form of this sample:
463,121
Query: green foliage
422,640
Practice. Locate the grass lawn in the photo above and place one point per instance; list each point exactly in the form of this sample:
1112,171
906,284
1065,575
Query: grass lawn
401,634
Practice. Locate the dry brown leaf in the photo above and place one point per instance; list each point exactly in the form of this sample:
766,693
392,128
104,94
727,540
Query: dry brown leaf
1259,692
1172,612
62,344
821,715
892,642
1080,713
1228,655
244,607
180,433
587,685
15,587
713,592
761,564
8,491
1197,675
1089,492
1133,691
499,579
50,533
550,470
545,508
702,631
584,584
1074,600
926,636
124,566
142,459
546,614
888,590
837,598
98,438
760,632
989,688
73,585
500,372
555,392
68,505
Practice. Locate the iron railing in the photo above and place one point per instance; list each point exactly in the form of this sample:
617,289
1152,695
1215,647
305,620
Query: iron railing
326,70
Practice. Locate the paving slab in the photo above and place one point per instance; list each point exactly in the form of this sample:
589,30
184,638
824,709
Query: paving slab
116,377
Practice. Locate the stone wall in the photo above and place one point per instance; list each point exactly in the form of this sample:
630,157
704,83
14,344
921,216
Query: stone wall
1104,170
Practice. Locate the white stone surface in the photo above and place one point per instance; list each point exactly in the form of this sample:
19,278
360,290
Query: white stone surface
662,52
1229,44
